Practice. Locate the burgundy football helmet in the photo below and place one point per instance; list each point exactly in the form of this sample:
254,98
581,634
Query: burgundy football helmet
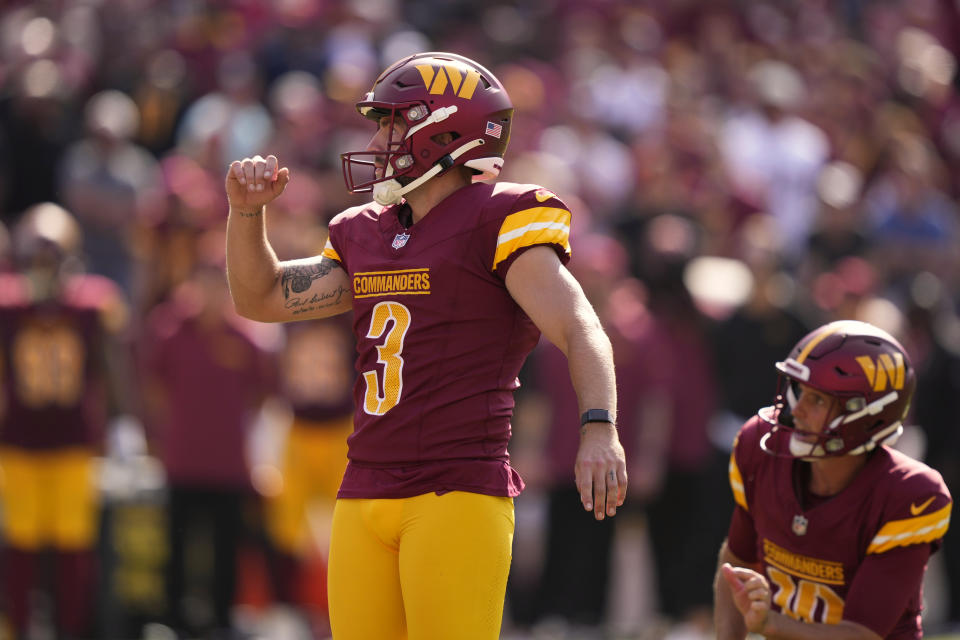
431,93
867,374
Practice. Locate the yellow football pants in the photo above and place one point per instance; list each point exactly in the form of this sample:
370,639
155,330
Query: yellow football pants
431,567
49,498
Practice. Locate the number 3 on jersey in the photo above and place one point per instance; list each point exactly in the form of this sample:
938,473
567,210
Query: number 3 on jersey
376,402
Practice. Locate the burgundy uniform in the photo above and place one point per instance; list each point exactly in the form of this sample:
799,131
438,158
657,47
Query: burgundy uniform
858,555
52,362
440,341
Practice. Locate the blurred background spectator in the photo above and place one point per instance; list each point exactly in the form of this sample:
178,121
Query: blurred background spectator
764,166
206,374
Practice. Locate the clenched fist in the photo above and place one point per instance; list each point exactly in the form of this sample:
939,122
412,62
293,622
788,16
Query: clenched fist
253,182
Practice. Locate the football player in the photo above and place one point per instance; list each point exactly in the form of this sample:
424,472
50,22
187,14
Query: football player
832,528
59,345
451,279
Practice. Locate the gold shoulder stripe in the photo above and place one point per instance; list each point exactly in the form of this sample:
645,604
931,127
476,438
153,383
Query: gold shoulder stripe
897,533
330,252
540,225
520,219
736,484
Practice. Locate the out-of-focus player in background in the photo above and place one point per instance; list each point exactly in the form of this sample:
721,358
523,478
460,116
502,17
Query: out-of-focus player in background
62,378
450,283
316,378
831,525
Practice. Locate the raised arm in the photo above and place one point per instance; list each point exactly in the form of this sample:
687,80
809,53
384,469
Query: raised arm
553,299
262,287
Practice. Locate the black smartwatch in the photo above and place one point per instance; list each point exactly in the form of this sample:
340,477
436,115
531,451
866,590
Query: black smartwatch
595,415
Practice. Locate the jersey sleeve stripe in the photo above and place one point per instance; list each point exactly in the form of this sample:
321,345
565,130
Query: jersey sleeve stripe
330,252
520,219
540,225
736,484
911,531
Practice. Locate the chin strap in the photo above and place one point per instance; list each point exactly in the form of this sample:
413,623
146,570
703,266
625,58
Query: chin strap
391,192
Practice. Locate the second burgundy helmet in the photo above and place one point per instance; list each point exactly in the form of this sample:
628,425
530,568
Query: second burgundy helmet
868,375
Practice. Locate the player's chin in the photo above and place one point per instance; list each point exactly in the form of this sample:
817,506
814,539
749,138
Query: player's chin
803,445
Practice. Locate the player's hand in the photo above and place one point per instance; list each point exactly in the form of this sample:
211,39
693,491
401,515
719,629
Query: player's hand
253,182
751,595
601,470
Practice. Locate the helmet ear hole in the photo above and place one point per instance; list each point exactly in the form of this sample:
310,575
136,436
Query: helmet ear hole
444,138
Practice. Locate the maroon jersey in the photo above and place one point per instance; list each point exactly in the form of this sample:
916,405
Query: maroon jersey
52,362
858,555
440,341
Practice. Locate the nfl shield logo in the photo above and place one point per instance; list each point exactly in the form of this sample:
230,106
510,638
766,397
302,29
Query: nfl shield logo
799,525
400,240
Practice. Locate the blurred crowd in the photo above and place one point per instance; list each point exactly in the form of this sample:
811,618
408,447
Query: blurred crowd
739,171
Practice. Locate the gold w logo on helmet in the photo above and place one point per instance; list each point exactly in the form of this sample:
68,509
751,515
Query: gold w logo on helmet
437,80
885,370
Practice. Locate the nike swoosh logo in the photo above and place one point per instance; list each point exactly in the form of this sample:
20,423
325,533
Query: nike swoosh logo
543,195
915,510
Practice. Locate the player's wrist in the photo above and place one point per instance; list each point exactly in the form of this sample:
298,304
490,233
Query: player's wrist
767,628
591,416
247,212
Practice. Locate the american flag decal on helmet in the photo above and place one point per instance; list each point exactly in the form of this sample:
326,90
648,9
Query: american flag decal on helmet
494,130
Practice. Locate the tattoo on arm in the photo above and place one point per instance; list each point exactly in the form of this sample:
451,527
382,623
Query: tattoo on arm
315,302
298,278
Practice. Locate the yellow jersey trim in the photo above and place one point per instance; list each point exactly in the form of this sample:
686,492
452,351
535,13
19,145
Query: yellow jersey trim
539,225
330,252
902,533
736,484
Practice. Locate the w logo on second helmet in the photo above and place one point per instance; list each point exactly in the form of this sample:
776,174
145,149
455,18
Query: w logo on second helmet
437,80
886,370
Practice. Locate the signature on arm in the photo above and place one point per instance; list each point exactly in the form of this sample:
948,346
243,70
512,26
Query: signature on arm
316,301
299,278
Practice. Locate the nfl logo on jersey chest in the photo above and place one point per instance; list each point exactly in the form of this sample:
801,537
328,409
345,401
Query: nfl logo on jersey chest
400,240
799,525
